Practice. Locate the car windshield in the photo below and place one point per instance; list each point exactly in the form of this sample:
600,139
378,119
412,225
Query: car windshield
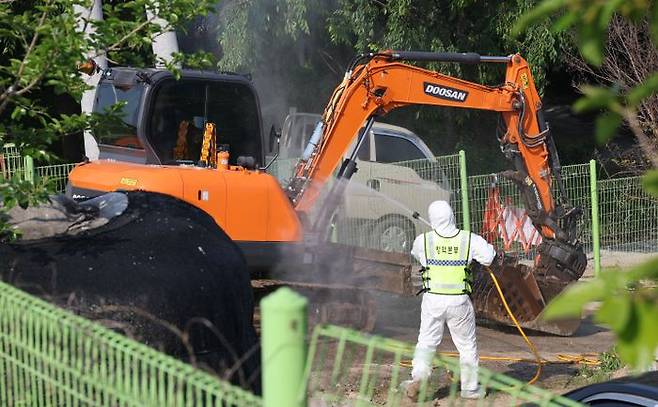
392,149
121,131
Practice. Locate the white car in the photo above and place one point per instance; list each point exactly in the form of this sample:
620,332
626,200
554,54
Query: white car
398,175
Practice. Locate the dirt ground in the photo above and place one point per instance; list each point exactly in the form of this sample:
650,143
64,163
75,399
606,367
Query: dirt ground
505,341
492,341
399,318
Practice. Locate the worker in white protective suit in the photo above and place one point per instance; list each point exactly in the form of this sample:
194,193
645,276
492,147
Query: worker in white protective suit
445,253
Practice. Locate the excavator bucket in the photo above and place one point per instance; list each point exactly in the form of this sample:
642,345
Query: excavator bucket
524,294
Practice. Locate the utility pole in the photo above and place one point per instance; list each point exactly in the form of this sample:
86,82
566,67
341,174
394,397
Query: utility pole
85,17
165,44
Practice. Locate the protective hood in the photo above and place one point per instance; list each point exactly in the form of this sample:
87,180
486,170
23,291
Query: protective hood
442,219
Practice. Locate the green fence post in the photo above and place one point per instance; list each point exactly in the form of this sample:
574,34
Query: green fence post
283,356
28,167
463,185
596,234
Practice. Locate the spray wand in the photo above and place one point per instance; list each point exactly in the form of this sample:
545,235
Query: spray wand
416,215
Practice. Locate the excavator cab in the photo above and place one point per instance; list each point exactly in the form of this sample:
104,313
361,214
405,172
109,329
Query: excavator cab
162,119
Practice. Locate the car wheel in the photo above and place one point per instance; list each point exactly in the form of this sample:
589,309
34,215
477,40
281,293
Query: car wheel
393,235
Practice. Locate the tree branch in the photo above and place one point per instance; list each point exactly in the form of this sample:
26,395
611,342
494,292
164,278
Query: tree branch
12,90
648,149
125,38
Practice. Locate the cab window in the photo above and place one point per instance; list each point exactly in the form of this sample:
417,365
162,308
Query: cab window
123,131
182,108
390,149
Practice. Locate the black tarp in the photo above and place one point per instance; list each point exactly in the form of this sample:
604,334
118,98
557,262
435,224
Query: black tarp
161,262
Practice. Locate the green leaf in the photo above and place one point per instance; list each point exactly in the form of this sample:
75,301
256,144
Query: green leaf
650,182
570,302
606,126
591,47
642,91
542,10
565,22
18,112
615,311
608,9
595,98
648,333
638,340
648,269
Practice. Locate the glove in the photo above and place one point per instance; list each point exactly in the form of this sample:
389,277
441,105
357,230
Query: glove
499,259
498,262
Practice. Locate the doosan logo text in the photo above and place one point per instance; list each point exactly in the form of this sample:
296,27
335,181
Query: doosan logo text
444,92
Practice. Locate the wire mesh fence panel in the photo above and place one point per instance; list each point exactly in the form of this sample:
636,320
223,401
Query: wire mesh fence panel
495,205
497,210
348,368
55,176
11,162
629,216
577,184
380,201
444,172
50,357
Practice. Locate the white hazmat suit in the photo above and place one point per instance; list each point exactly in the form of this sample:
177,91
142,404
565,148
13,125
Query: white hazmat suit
455,310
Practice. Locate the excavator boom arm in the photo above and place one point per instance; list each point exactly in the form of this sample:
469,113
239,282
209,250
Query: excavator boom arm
382,84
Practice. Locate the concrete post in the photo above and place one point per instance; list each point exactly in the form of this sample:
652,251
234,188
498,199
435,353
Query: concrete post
283,355
463,186
596,232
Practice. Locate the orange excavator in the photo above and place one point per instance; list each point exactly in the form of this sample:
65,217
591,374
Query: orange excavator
280,228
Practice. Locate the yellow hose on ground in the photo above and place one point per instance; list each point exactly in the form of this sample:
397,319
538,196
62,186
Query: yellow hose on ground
527,340
586,358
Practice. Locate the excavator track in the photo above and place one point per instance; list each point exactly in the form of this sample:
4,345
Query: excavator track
527,289
340,281
327,304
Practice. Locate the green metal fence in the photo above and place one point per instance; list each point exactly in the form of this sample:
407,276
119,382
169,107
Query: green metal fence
55,176
49,357
11,162
629,216
349,368
381,198
377,210
378,215
577,184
